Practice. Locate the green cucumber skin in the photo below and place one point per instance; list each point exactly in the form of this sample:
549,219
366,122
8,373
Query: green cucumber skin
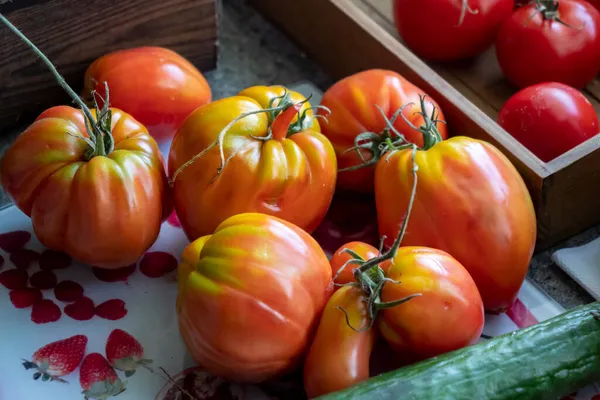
546,361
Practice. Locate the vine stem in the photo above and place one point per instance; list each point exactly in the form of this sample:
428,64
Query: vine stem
61,81
221,137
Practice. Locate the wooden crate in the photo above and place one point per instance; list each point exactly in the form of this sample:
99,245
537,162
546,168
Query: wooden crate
347,36
72,33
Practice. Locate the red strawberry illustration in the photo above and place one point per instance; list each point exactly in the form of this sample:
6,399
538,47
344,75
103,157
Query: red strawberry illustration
23,258
44,311
68,291
98,379
125,353
14,278
57,359
43,280
155,264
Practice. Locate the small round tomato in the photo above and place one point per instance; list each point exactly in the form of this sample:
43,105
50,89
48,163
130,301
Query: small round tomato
551,41
549,119
339,355
448,314
449,30
159,87
103,206
250,297
234,155
353,102
341,259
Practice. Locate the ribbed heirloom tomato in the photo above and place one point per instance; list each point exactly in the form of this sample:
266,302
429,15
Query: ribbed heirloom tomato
356,120
101,209
450,30
159,87
259,151
471,202
250,296
93,184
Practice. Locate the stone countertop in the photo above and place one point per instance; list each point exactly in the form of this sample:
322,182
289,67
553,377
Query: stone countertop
252,52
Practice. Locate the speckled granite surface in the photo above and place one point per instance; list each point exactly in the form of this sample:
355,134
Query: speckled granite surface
251,51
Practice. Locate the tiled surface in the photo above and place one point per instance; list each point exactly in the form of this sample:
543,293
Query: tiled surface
251,51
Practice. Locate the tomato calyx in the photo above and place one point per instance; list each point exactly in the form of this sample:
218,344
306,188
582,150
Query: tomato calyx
369,276
390,140
100,140
280,127
549,11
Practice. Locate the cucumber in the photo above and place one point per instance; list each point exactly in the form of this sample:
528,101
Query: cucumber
548,360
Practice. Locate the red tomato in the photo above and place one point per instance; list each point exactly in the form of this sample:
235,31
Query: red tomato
549,119
353,103
103,210
157,86
449,30
447,316
250,297
595,3
290,174
341,258
339,356
470,202
534,45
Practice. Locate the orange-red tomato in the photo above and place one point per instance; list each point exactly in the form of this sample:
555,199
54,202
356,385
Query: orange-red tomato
339,356
353,103
157,86
470,202
447,316
250,297
105,210
341,258
291,176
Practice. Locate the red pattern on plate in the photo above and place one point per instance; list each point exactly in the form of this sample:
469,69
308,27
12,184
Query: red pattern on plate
52,259
111,309
520,315
81,310
23,258
173,220
157,263
43,280
114,275
13,241
44,311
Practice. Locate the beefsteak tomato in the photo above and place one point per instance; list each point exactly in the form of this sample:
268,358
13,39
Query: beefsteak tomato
102,207
157,86
354,116
471,202
551,41
420,328
339,356
450,30
234,155
239,296
549,119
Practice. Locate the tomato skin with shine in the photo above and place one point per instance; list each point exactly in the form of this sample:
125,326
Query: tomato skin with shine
106,211
470,202
353,102
339,357
157,86
447,316
531,49
239,293
293,178
549,119
340,257
432,28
